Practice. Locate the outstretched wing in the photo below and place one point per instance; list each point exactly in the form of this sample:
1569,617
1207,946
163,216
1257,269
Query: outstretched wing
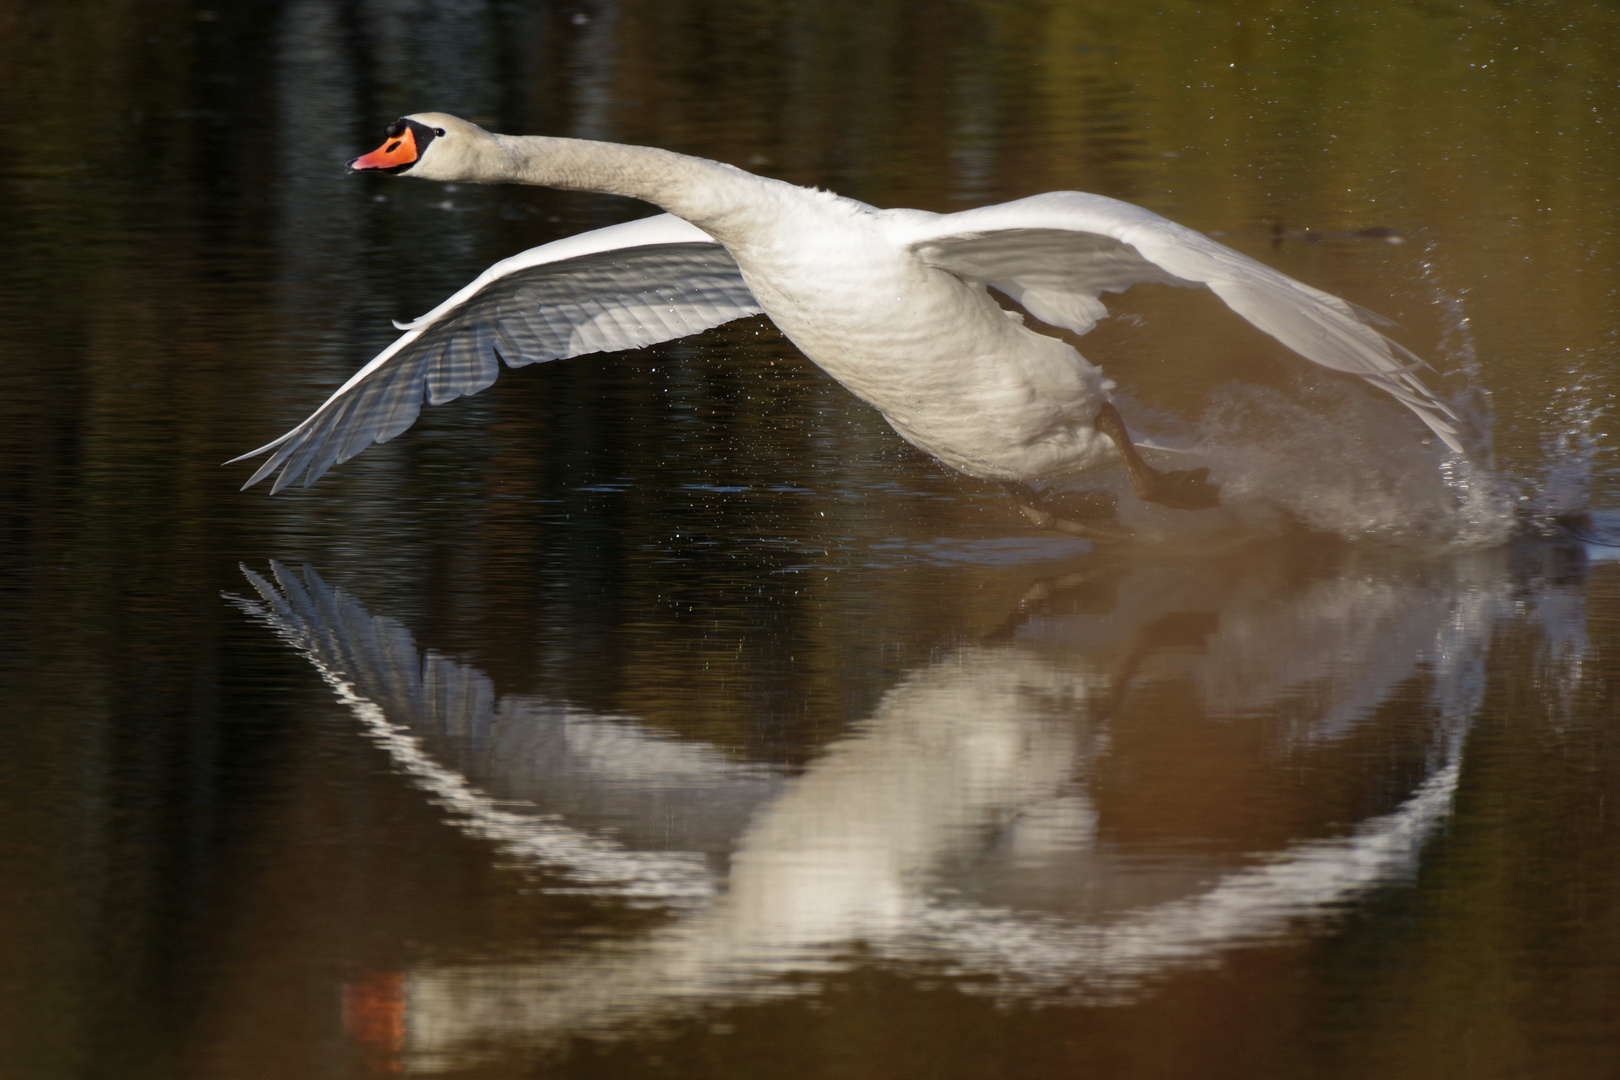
622,287
1057,253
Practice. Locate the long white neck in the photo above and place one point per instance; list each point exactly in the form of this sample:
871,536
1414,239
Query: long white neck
707,193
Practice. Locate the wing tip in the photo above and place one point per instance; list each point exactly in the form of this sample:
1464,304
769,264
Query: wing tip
1451,440
265,449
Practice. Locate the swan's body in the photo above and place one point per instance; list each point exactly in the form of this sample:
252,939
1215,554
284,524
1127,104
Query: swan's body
892,303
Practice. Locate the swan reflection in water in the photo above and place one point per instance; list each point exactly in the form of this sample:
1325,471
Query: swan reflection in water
964,826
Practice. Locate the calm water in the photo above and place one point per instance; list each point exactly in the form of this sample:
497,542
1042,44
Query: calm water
662,714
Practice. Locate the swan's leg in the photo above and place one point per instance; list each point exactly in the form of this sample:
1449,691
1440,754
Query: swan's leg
1187,490
1094,521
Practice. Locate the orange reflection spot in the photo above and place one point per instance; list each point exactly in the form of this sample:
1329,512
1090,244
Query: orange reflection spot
374,1016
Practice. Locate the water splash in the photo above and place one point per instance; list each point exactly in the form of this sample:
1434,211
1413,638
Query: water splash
1335,459
1570,452
1327,455
1550,498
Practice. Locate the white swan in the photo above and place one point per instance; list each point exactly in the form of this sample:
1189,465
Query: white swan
892,303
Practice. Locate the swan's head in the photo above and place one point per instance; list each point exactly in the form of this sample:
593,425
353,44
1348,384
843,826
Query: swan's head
434,146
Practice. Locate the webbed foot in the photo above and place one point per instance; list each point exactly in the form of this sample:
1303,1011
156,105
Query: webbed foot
1188,489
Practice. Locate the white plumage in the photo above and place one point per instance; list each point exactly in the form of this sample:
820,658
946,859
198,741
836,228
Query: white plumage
892,303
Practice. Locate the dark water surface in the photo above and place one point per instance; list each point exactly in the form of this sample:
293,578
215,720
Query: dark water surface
662,714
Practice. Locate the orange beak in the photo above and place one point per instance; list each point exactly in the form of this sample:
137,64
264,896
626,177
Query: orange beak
396,153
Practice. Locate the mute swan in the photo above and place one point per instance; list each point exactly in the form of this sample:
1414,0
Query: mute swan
894,304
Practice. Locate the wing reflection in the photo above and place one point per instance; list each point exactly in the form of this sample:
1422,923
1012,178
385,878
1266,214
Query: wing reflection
980,821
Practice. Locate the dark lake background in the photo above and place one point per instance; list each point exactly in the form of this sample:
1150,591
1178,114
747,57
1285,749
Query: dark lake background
959,799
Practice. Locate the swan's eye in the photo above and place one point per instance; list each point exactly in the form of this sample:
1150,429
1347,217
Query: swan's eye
438,131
